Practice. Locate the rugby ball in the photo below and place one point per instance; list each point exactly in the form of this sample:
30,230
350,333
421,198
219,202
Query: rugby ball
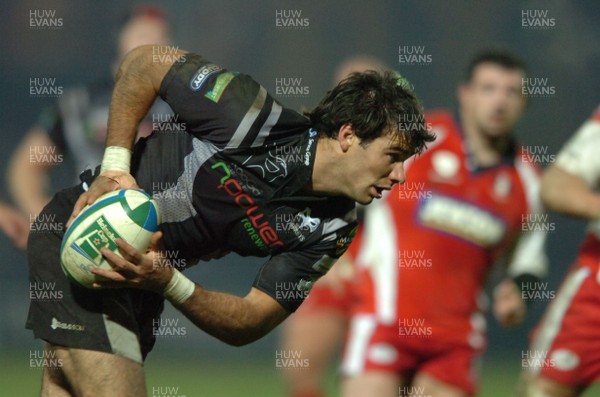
128,214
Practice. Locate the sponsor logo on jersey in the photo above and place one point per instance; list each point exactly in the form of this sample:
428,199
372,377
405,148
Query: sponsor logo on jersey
301,223
60,325
222,82
202,74
344,241
307,153
258,222
463,220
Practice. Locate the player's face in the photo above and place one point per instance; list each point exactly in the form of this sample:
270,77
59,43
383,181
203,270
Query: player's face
492,100
376,167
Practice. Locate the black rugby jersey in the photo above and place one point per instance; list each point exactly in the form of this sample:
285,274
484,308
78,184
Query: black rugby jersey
227,173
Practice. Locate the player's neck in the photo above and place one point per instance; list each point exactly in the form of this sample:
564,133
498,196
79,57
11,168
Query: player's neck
486,150
327,177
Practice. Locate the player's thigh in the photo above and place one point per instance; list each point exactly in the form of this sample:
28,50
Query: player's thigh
99,374
315,337
54,383
426,385
372,383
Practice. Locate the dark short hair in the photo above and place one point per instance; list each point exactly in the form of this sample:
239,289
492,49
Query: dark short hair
504,58
373,103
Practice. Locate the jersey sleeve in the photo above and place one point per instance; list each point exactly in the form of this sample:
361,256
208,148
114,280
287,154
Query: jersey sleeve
227,108
289,276
579,156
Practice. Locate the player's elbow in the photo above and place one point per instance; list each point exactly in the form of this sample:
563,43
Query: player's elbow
135,60
240,340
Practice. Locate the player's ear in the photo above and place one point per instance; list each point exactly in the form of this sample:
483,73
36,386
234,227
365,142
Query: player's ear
346,136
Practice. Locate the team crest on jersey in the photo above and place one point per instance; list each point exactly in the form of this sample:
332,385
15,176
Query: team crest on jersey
502,186
446,164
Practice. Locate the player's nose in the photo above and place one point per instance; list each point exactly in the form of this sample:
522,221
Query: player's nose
397,175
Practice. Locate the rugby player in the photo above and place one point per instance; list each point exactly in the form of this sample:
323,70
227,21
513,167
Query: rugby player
426,249
566,344
14,225
75,126
225,180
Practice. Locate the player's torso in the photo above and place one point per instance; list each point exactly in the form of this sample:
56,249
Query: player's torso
245,200
451,222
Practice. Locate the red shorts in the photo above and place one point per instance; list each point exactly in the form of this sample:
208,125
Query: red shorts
565,346
372,346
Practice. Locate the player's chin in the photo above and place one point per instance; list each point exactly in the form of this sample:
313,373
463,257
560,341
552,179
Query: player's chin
365,200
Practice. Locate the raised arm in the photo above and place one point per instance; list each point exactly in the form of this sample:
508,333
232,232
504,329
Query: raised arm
569,194
136,87
568,186
137,84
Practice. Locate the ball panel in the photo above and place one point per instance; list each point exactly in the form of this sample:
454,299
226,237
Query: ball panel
128,214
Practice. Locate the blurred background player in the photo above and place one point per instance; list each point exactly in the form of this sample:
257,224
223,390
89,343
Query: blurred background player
567,340
14,225
325,311
76,125
417,326
467,198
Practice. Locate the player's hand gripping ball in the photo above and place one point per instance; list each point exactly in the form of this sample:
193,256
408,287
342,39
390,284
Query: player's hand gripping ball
129,214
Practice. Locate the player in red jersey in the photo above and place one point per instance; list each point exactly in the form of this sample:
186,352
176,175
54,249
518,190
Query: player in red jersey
417,326
565,349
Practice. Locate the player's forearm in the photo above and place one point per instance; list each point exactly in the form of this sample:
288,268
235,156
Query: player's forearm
568,194
232,319
28,179
136,87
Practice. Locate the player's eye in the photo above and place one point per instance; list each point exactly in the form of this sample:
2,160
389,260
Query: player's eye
396,157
